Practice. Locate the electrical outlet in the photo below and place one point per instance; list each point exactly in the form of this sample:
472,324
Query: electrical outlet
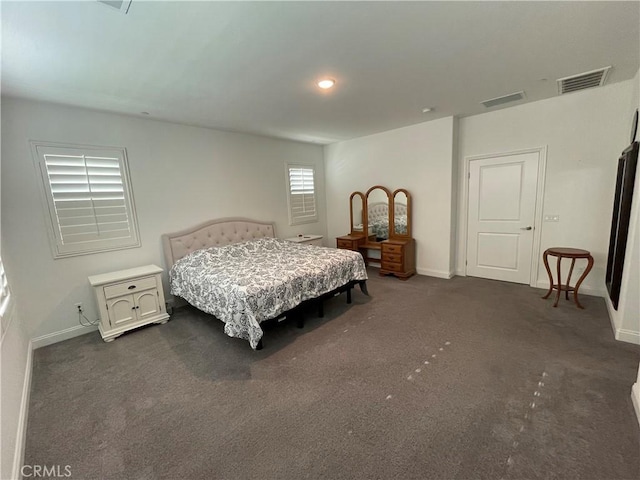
78,306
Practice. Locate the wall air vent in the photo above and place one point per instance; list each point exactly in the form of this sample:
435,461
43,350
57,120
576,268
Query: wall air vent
594,78
120,5
512,97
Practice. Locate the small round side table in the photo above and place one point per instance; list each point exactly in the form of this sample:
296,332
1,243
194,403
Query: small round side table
573,254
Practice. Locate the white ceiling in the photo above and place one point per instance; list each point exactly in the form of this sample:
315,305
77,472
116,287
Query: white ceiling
252,66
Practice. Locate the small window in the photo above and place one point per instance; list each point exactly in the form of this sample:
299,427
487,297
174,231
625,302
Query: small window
302,194
88,198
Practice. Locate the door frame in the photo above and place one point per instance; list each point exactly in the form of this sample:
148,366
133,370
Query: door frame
537,227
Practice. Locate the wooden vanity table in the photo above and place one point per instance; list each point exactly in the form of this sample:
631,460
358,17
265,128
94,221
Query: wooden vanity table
381,221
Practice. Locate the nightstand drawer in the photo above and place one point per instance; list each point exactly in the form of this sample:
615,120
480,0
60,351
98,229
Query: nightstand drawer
391,248
392,267
131,286
392,258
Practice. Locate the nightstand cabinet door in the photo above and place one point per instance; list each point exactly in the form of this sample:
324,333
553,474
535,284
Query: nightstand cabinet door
146,304
121,310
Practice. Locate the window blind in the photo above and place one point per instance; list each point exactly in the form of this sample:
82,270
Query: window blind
4,290
302,197
89,199
5,299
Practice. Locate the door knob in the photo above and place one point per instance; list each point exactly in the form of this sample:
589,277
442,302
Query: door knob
526,228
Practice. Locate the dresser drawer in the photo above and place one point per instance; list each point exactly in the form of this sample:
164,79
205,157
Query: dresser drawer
348,244
392,267
131,286
392,258
391,248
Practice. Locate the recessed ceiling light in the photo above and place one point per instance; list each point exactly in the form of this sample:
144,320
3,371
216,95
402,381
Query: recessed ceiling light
426,109
326,83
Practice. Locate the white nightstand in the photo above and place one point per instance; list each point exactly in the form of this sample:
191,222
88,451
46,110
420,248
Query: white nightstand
307,240
129,299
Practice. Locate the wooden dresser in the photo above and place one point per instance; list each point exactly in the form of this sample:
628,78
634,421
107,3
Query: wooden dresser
398,257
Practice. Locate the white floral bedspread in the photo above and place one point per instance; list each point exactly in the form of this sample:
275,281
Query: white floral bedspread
246,283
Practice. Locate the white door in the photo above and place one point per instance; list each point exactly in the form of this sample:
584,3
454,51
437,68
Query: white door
502,204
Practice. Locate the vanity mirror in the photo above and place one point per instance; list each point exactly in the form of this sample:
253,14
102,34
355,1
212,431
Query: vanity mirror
401,218
356,202
377,218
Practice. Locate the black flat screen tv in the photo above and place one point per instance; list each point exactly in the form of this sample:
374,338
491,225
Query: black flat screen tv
627,164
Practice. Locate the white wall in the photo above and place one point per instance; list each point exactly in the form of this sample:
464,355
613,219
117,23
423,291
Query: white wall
180,175
418,158
15,385
15,382
626,320
585,133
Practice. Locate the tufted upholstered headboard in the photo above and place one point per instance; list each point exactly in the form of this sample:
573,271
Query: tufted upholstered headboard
378,212
222,231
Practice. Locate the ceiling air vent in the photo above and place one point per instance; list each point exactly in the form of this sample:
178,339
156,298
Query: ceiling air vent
121,5
512,97
594,78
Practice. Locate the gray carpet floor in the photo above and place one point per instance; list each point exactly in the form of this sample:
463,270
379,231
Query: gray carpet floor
425,379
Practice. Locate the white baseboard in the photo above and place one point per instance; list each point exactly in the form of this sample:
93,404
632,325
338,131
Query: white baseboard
613,315
66,334
435,273
635,398
621,334
629,336
584,290
21,440
461,273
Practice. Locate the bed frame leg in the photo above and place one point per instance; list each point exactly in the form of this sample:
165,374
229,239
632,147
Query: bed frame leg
259,347
363,287
348,294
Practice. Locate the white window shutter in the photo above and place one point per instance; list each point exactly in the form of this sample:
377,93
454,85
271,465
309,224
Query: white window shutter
302,194
89,198
5,299
4,290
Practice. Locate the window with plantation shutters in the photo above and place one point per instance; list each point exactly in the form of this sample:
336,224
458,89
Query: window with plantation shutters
88,197
5,299
302,195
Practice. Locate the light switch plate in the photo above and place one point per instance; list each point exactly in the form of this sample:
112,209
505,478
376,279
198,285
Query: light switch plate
552,218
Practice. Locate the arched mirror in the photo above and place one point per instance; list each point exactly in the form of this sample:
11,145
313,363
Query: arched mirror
356,202
377,219
401,214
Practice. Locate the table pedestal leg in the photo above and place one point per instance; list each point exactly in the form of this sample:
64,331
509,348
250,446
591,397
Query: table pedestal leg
559,282
566,292
546,265
582,277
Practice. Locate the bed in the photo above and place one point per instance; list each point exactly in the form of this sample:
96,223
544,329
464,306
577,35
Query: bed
238,271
